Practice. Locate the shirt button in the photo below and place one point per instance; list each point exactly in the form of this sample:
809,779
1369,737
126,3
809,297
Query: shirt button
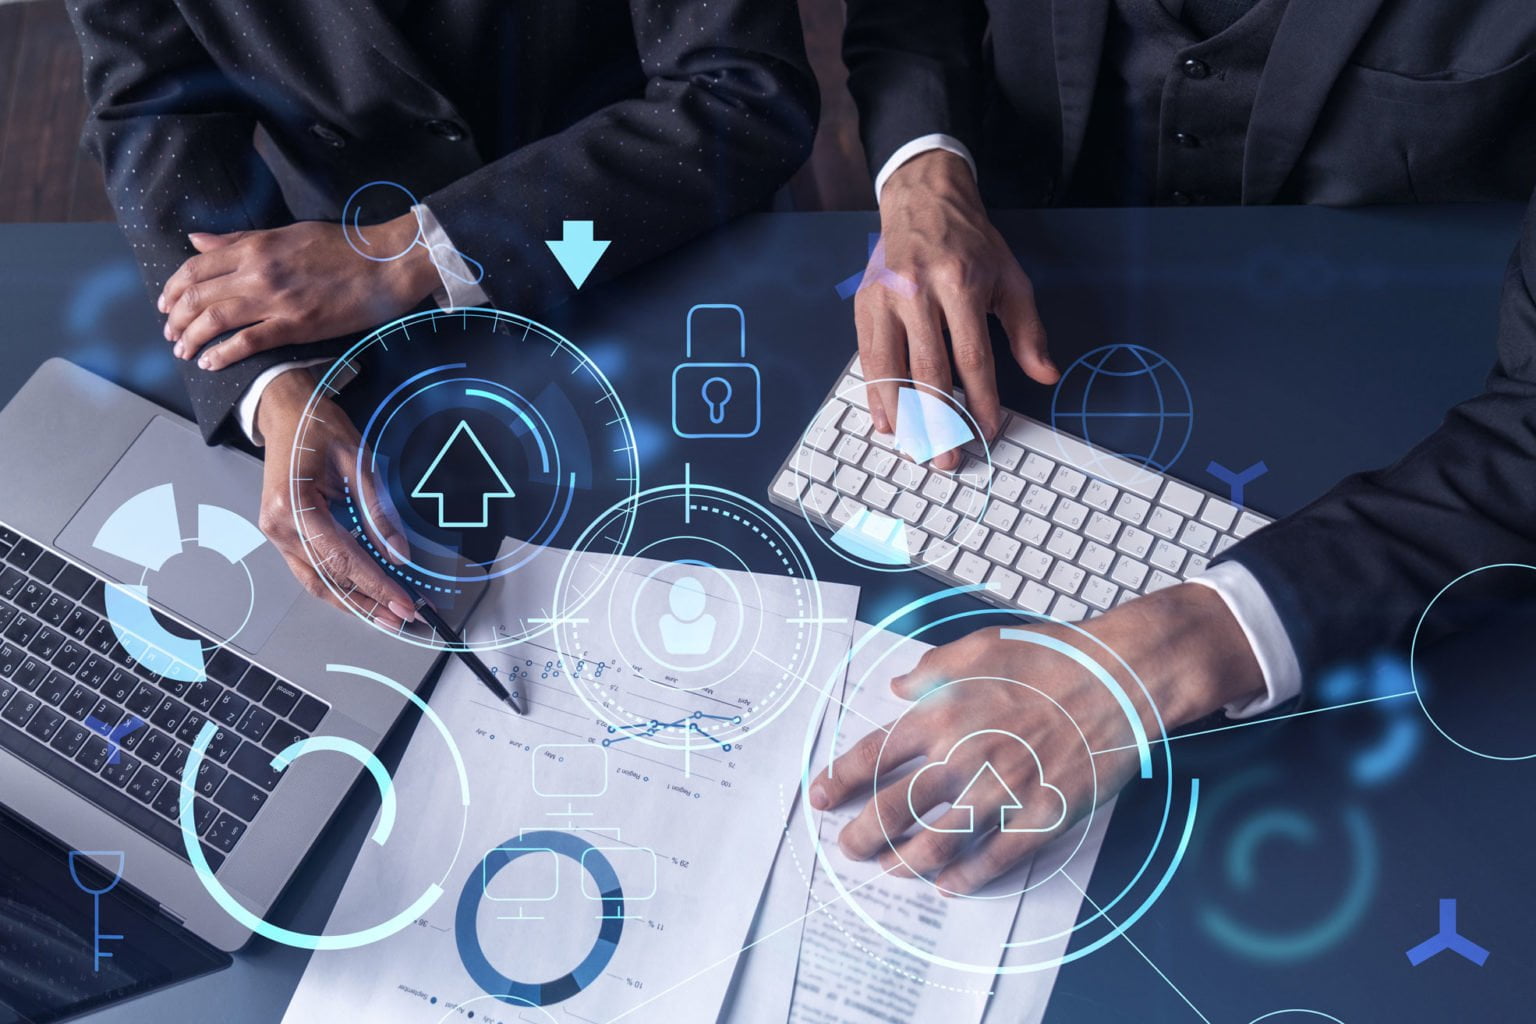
328,134
1186,140
445,130
1195,68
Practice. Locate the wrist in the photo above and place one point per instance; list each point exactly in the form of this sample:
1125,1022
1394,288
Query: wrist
413,276
282,403
934,172
1188,650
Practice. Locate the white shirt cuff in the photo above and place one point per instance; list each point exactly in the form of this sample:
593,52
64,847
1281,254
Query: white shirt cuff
918,146
461,282
1261,624
246,410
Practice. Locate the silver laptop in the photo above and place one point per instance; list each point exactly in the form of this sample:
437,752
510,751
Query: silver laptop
100,488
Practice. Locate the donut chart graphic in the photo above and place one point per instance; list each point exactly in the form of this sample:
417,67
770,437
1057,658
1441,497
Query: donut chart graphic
608,890
145,530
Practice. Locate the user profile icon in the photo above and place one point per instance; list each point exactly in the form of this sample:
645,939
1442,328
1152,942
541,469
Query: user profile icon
687,628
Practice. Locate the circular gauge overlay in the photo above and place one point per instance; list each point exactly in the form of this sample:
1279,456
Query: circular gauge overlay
887,508
999,784
489,440
685,611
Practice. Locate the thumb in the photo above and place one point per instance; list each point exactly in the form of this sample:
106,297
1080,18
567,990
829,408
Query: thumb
204,241
927,675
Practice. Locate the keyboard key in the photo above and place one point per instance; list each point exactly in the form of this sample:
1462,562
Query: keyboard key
1007,455
849,480
95,672
45,723
79,623
1218,514
32,596
856,420
229,707
1134,542
282,698
850,448
939,554
107,713
971,568
102,639
256,684
909,507
788,486
971,536
940,521
282,736
1068,481
1096,558
93,754
22,629
169,715
255,764
55,609
1036,468
73,582
145,699
1068,610
119,686
121,771
95,598
1164,523
46,643
1035,564
79,702
47,567
880,462
1196,565
225,833
1102,528
1002,549
970,503
30,674
1066,578
1099,592
1167,557
1000,516
209,778
1039,500
227,667
11,582
1129,573
1246,524
1070,514
155,747
879,494
1004,583
1006,488
1031,529
70,737
69,657
1035,598
908,476
1222,543
1181,498
822,434
146,785
844,511
240,798
820,499
939,488
7,616
24,554
1063,543
1197,537
1132,509
1099,495
1159,581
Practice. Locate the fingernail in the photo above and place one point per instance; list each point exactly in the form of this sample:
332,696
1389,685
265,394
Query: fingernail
206,363
167,332
402,612
160,304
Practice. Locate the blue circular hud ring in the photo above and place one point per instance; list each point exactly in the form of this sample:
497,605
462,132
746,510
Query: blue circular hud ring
583,974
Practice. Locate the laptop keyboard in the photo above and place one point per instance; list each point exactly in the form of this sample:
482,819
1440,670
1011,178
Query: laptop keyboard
75,705
1069,530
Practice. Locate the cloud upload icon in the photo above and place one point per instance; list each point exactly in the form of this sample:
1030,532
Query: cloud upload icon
966,801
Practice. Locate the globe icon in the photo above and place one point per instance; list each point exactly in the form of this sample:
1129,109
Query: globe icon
1128,400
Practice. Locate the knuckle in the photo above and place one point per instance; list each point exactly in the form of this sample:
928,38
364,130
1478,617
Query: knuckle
973,359
217,319
275,518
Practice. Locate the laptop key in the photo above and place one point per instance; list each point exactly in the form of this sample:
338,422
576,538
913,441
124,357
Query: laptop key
175,761
74,582
169,714
282,736
308,714
222,745
78,702
93,754
24,553
32,596
229,707
70,657
56,609
256,683
46,567
146,785
7,613
240,798
145,698
46,643
226,666
203,695
45,724
69,738
255,764
282,698
95,597
209,778
94,672
255,723
22,629
31,673
119,686
107,713
11,582
191,724
21,708
155,746
10,660
121,771
79,623
225,833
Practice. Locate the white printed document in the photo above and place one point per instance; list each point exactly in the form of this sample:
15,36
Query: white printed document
610,869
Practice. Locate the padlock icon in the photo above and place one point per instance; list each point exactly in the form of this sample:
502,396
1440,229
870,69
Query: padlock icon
717,399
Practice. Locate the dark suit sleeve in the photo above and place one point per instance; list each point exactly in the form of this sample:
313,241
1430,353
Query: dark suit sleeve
1352,573
727,114
914,68
177,142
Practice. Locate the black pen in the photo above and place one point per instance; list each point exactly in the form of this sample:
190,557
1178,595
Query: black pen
448,633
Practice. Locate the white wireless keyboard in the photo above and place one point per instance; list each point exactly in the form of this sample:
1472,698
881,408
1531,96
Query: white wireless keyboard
1069,530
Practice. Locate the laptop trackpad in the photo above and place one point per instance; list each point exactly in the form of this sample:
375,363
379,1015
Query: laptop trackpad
179,519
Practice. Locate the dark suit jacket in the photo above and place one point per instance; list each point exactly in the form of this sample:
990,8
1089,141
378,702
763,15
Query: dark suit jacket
1362,101
1352,572
655,119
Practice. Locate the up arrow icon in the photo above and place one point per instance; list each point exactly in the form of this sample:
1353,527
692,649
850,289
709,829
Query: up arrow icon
578,252
490,484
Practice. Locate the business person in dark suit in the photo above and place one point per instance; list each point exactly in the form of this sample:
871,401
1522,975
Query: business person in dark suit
654,119
1150,101
1013,103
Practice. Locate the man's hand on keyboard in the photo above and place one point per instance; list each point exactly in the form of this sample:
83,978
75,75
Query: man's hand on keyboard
332,443
973,711
942,265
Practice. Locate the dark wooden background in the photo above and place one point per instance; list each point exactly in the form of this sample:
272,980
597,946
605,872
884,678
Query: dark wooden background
45,177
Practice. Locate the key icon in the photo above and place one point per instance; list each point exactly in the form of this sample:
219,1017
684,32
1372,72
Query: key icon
97,860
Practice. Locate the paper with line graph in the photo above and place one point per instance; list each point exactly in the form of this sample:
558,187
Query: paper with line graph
608,872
